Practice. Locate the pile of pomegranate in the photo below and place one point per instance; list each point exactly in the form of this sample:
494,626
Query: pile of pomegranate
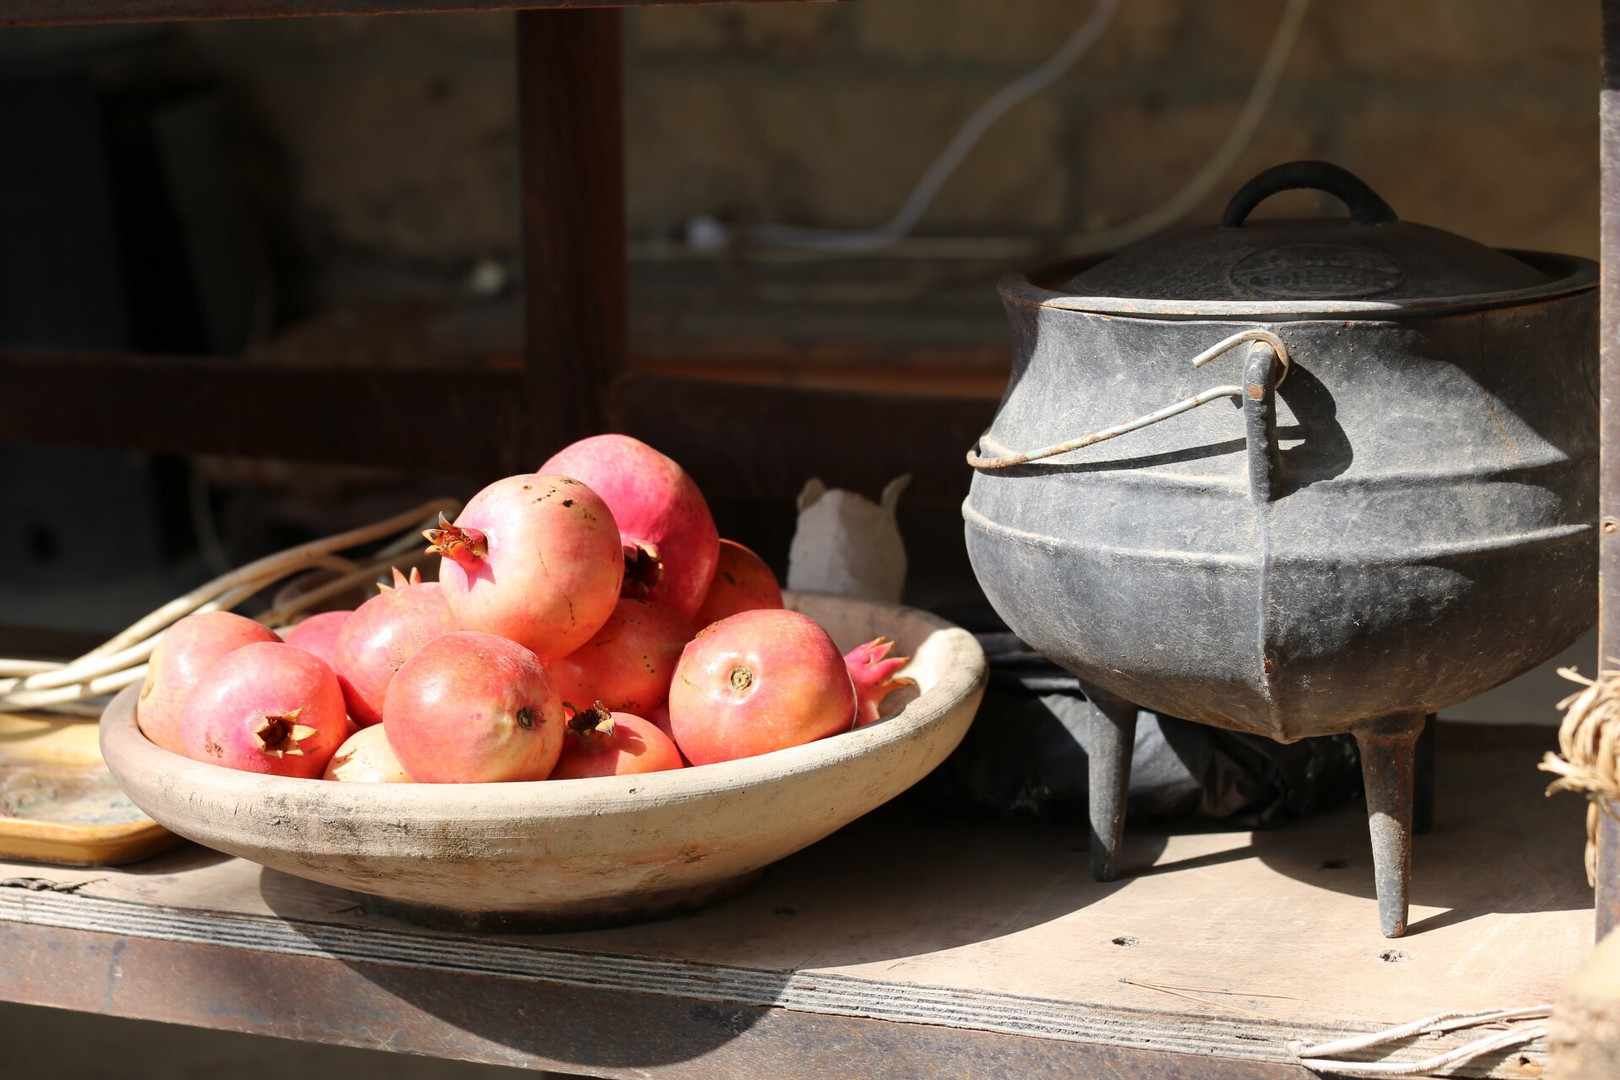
587,620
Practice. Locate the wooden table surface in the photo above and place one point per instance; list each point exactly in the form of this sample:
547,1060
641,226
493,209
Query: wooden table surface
907,945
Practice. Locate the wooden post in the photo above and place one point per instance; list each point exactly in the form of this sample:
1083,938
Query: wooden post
1608,884
571,119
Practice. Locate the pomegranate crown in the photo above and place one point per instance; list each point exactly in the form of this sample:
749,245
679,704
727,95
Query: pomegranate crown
280,736
458,542
873,671
643,569
400,580
597,720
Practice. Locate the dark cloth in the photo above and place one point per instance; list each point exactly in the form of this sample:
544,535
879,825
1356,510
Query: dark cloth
1025,755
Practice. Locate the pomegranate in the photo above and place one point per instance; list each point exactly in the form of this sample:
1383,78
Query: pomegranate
603,743
532,558
318,634
473,707
628,664
670,543
658,717
267,707
383,633
758,681
185,652
742,582
366,758
873,671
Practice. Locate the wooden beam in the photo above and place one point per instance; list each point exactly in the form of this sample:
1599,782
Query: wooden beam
1608,869
464,422
88,12
571,119
766,441
736,439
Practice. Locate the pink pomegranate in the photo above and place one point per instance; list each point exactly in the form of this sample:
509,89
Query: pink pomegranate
472,707
366,758
758,681
532,558
603,743
628,664
383,633
742,582
670,542
185,652
318,634
873,671
658,717
266,708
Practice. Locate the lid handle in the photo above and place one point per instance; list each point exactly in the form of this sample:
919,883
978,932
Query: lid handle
1366,208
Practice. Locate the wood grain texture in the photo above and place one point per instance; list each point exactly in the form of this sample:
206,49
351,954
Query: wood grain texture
84,12
735,439
58,803
181,405
906,936
577,1029
1583,1036
571,119
767,441
1607,902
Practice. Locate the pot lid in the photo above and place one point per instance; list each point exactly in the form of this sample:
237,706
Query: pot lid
1370,255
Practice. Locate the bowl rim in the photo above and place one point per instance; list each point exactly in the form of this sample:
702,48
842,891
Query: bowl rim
137,762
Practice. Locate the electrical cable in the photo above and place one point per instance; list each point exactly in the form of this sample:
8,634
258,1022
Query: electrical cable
772,243
1226,155
966,137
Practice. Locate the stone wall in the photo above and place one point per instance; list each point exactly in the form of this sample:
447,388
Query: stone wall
395,136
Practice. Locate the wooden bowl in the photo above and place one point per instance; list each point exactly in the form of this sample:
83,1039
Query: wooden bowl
558,853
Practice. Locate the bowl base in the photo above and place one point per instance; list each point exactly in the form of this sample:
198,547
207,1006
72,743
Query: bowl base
594,915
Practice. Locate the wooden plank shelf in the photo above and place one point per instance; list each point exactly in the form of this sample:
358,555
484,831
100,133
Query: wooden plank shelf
460,422
912,943
92,12
753,397
736,438
570,112
754,420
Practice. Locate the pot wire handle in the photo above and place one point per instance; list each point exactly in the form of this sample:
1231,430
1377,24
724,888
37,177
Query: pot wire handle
1006,459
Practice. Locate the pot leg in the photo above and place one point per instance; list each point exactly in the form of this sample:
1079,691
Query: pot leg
1112,738
1388,767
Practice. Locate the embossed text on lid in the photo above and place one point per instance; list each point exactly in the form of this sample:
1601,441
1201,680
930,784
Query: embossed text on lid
1316,271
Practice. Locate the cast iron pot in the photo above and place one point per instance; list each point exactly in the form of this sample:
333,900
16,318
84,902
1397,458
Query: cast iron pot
1394,508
